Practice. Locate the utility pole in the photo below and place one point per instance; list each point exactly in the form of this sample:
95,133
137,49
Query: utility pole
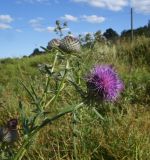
131,24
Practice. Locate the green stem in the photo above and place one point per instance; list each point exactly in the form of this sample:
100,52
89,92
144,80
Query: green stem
44,97
54,98
55,60
62,82
22,150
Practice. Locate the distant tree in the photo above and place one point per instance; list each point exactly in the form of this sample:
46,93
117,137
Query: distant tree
141,31
36,51
125,33
25,56
81,39
110,34
88,39
98,35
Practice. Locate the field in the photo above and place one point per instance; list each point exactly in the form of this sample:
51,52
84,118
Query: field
51,124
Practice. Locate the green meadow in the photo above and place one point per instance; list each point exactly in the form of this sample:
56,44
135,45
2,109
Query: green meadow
119,130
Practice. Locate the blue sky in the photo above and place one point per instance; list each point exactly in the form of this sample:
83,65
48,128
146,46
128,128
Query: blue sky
28,24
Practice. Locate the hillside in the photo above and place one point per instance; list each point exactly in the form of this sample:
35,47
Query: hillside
122,133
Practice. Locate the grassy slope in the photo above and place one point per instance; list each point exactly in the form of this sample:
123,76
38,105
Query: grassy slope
126,133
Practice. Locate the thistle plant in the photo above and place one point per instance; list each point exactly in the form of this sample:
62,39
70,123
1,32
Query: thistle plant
56,76
103,84
60,27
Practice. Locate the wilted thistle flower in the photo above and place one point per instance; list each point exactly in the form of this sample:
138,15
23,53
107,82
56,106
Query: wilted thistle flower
54,43
9,133
103,84
70,44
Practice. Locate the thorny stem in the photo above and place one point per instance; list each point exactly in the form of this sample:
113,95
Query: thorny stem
62,82
55,60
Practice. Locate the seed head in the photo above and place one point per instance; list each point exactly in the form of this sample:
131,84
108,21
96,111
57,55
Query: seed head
70,44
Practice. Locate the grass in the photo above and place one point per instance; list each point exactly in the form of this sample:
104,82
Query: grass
124,132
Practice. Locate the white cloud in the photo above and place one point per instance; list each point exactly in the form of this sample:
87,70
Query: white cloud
4,21
50,29
36,22
37,25
90,19
142,6
6,18
95,3
66,29
33,1
114,5
4,26
69,17
44,29
39,29
93,18
18,30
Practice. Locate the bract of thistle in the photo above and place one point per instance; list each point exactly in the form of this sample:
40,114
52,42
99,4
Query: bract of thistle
104,84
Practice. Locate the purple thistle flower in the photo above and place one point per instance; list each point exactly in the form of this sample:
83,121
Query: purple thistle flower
103,83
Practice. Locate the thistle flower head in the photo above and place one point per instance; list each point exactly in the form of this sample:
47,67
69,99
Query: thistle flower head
103,83
54,43
12,123
70,44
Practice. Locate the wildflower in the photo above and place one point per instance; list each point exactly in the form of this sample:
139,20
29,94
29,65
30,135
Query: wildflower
9,133
70,44
103,83
54,43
